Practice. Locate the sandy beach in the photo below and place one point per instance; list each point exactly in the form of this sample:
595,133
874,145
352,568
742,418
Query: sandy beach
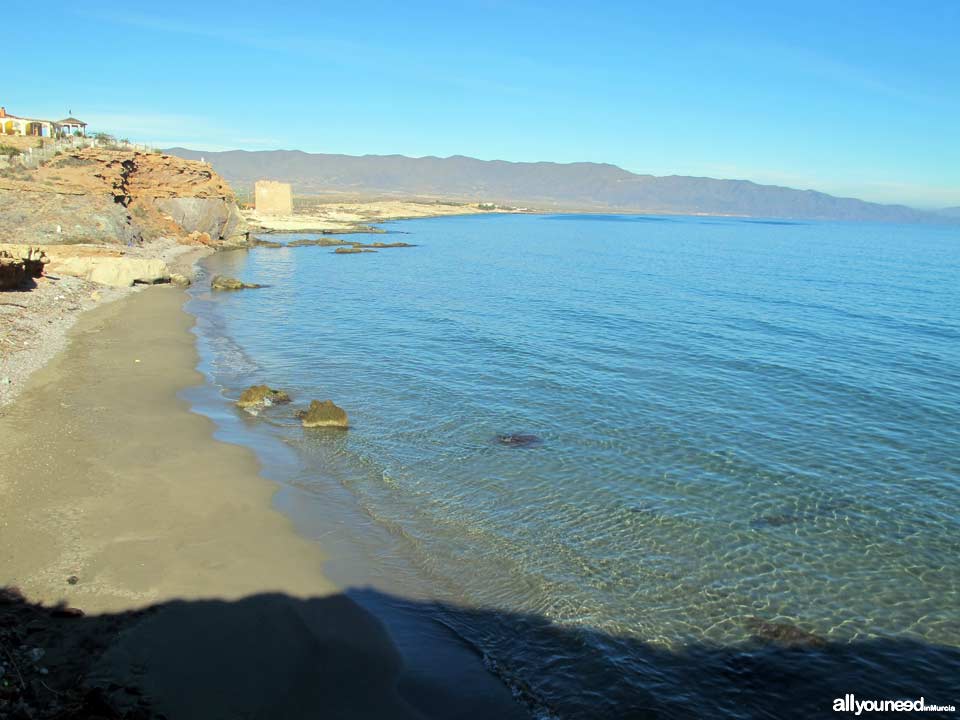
116,498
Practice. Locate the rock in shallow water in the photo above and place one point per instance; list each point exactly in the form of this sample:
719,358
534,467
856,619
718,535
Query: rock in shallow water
782,633
519,440
323,414
221,282
261,396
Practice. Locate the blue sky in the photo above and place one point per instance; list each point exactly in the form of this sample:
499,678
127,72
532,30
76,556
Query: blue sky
853,98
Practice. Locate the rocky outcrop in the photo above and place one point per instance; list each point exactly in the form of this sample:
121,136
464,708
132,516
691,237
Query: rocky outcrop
352,250
324,414
390,245
121,196
20,265
217,217
115,271
258,396
222,282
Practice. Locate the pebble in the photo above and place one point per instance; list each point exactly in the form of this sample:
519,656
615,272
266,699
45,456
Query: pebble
36,654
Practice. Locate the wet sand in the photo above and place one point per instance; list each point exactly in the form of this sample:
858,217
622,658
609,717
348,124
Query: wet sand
115,497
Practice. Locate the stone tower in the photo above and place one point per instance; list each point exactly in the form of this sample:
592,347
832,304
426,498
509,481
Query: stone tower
273,198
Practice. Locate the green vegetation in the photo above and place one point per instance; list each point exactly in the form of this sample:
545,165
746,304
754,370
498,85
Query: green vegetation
9,150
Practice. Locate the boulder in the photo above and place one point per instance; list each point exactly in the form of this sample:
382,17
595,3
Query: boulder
262,396
180,280
323,414
221,282
110,270
19,265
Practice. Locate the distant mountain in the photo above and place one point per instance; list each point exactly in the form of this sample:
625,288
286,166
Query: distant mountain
950,212
587,186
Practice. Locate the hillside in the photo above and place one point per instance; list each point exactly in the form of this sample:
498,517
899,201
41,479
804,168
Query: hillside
587,186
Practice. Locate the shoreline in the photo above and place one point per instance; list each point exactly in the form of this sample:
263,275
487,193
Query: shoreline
197,592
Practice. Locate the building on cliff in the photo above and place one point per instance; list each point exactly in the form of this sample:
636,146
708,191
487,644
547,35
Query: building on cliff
273,198
15,125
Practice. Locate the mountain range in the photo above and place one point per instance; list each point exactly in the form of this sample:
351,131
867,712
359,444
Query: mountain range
543,185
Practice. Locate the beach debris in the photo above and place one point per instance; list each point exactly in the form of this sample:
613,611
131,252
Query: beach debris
180,280
352,250
783,633
323,414
222,282
519,440
257,396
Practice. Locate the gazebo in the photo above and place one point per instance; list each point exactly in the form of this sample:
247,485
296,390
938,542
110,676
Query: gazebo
70,126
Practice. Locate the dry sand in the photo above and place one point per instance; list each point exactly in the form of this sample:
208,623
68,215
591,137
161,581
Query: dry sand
113,497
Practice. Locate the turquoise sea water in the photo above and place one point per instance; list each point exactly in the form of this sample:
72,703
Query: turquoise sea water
742,422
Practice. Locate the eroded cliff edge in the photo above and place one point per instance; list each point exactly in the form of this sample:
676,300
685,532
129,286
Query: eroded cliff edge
122,196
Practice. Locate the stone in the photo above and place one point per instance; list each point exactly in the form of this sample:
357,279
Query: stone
73,580
391,245
180,280
261,396
323,414
257,242
222,282
519,440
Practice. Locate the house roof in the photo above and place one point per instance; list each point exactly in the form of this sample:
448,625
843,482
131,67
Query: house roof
70,121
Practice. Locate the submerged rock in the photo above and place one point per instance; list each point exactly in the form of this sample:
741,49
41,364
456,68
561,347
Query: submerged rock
257,242
323,414
261,396
322,242
390,245
352,250
519,440
783,633
221,282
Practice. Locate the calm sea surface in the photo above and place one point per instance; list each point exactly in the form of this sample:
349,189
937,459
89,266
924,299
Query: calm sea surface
750,431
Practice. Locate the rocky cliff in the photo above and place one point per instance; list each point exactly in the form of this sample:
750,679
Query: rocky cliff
121,197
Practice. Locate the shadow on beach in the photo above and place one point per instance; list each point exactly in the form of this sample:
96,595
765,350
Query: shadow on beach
365,654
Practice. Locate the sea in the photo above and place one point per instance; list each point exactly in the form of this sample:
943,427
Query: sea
643,466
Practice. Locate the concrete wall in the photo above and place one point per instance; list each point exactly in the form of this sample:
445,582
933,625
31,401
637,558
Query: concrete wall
274,198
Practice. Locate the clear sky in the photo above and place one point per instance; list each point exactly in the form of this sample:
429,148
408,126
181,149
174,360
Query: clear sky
853,98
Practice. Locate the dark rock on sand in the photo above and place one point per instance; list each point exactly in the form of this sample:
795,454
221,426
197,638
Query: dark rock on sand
321,242
221,282
782,633
261,396
519,440
323,414
352,250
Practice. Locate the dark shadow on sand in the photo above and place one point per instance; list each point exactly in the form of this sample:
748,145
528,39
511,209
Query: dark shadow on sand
365,654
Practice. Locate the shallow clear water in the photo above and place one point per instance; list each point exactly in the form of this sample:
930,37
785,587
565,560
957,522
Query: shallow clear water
739,419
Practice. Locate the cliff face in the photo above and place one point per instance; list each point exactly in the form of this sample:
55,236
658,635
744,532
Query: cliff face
118,196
